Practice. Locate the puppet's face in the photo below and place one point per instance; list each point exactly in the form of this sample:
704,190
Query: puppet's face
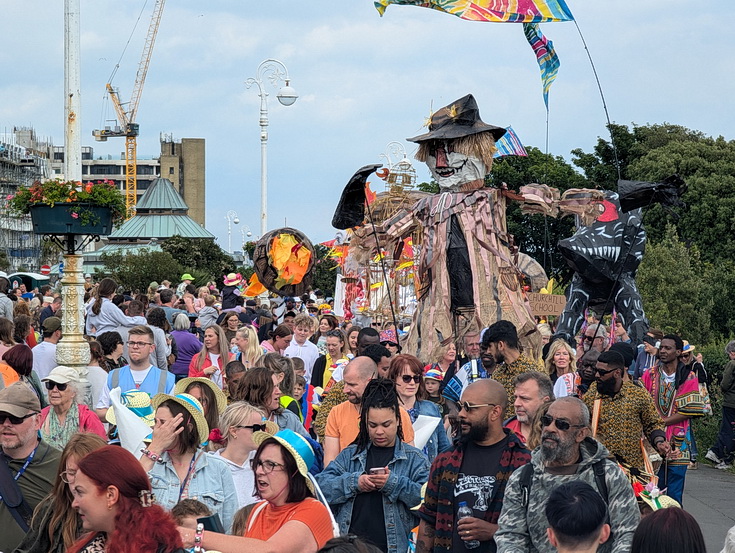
451,169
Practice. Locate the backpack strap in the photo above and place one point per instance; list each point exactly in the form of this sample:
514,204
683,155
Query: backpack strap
599,468
114,379
254,514
162,381
525,480
12,496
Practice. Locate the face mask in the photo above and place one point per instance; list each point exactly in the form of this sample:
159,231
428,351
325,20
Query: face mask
234,349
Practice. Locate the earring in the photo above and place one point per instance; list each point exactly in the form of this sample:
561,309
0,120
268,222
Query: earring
109,507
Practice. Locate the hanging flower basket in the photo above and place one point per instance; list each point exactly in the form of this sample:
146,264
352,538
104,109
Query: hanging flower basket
69,207
71,218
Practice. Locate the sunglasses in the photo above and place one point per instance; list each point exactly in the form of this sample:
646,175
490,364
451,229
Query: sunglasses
13,419
50,385
467,406
253,427
602,372
561,424
408,378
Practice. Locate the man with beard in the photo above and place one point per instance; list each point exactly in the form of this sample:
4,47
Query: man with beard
343,421
586,371
501,342
27,460
622,411
567,453
675,392
475,471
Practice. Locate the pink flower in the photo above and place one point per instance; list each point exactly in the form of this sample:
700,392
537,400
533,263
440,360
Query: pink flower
9,197
75,215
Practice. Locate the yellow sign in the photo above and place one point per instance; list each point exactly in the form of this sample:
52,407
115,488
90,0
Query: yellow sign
546,304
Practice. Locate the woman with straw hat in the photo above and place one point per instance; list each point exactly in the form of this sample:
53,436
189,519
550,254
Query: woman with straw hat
289,518
213,399
176,463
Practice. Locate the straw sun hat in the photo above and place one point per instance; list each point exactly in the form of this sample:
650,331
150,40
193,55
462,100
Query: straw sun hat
192,406
219,395
298,447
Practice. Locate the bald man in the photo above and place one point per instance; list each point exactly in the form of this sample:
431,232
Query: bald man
474,472
343,421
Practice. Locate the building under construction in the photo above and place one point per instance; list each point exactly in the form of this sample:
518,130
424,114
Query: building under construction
23,160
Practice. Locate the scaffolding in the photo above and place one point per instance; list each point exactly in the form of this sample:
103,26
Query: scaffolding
23,160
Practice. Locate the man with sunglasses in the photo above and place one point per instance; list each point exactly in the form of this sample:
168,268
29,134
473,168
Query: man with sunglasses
27,463
475,471
624,413
567,453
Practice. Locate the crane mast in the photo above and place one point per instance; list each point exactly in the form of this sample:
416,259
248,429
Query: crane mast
126,117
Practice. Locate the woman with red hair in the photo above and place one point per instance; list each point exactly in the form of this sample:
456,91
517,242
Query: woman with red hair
113,497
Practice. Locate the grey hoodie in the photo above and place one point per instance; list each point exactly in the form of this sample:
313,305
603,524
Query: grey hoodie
523,528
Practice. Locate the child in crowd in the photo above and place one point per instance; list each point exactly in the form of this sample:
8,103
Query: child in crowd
208,314
432,381
187,511
304,393
299,387
300,347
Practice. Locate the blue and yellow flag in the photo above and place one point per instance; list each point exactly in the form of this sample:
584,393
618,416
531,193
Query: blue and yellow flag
499,11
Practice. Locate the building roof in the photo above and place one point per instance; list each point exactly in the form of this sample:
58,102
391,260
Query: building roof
161,196
147,226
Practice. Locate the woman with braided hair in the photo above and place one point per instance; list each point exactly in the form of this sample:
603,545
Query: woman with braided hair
373,483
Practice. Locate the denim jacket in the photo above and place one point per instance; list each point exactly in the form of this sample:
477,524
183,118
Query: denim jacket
409,471
438,443
211,484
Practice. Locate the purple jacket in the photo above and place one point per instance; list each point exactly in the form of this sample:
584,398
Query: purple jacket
188,346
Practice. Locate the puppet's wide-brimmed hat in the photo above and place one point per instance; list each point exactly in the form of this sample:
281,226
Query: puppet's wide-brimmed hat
458,119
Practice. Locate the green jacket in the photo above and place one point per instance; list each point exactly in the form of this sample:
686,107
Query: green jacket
728,385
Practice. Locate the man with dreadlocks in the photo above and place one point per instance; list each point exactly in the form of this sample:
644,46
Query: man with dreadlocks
372,484
474,472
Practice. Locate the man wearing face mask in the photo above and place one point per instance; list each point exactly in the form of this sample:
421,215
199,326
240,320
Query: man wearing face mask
622,412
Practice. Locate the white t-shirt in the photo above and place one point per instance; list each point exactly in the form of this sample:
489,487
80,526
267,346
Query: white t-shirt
243,477
307,352
217,374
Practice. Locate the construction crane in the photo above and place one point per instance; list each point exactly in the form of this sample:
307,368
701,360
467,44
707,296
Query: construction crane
127,126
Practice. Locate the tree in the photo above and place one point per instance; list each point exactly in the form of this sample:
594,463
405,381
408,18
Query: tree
673,289
324,274
200,254
537,235
136,271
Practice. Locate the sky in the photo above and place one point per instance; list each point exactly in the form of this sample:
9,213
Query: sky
363,81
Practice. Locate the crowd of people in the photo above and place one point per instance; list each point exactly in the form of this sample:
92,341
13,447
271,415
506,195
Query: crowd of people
281,427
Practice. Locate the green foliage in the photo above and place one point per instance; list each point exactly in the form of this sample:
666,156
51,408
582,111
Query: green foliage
324,275
537,235
100,193
4,261
136,271
201,255
432,187
673,290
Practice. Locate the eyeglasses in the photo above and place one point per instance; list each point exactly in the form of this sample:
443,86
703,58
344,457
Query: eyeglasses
467,406
334,334
50,385
253,427
267,466
67,474
138,344
591,338
603,372
13,419
561,424
408,378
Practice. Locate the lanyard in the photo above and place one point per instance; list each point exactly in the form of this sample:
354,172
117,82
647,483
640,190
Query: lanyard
24,467
185,483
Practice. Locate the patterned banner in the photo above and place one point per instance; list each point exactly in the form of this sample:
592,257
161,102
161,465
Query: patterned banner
499,11
547,59
510,145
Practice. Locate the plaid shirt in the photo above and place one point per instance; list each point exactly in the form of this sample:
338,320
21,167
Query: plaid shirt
438,506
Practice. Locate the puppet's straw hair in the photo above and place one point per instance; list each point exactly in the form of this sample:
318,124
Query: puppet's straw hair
480,145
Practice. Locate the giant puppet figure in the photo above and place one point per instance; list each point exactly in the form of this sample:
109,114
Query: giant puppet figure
468,277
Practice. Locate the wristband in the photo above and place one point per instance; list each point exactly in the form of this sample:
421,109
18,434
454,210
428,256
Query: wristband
198,538
152,456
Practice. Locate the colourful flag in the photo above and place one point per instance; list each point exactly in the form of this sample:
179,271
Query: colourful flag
510,145
547,59
499,11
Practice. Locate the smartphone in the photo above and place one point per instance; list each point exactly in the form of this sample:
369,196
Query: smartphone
212,523
377,470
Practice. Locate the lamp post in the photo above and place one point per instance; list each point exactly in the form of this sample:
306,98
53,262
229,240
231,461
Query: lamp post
274,71
231,218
